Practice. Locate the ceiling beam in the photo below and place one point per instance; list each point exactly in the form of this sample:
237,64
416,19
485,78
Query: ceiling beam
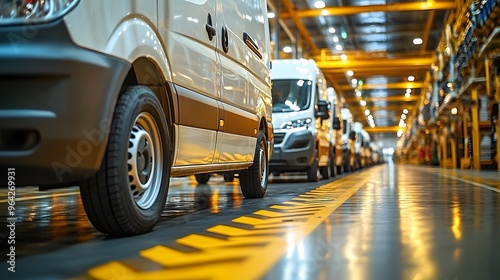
386,98
353,10
290,8
415,63
402,85
381,129
427,30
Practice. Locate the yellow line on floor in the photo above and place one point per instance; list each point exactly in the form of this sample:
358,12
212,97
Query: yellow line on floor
247,248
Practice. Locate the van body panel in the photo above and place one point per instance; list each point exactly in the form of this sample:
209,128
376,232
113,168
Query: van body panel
219,100
295,111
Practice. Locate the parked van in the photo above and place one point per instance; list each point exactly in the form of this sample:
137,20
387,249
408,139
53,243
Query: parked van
336,137
362,146
300,118
349,140
118,96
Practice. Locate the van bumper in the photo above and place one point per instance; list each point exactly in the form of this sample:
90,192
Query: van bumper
295,152
57,104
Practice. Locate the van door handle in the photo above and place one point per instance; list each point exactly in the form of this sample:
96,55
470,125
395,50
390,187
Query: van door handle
209,28
251,44
225,40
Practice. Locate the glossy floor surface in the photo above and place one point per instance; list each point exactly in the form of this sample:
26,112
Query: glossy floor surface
383,222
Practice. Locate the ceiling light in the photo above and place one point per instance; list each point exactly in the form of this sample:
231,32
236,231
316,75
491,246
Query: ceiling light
287,49
400,132
403,116
407,95
350,73
331,30
405,111
411,78
338,47
418,41
335,39
271,15
408,90
343,57
343,34
367,112
454,110
354,81
362,103
358,93
319,4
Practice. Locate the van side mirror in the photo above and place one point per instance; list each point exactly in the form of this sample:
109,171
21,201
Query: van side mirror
323,109
352,135
336,123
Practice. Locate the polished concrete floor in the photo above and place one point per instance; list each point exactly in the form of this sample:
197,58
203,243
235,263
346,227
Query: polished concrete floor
383,222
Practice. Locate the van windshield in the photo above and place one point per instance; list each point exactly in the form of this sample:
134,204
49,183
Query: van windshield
291,95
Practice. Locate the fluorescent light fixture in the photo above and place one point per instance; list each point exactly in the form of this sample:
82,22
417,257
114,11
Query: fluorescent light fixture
350,73
417,41
411,78
343,57
331,30
271,15
319,4
287,49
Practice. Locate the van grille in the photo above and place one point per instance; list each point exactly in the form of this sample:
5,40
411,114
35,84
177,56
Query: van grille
278,138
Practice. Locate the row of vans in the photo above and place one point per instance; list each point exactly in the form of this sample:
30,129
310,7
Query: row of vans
118,96
313,131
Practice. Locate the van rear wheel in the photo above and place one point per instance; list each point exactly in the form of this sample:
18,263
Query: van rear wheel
253,181
313,169
128,193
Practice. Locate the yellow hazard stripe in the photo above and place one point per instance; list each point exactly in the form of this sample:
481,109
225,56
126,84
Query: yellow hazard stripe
247,248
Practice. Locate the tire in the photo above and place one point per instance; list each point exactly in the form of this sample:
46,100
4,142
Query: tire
253,181
128,193
202,178
228,177
331,157
313,170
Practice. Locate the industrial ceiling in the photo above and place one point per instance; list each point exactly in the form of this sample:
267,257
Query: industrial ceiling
369,50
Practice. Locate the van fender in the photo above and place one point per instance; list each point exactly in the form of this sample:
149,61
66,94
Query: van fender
135,38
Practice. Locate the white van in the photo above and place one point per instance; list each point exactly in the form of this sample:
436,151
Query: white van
118,96
336,137
300,118
349,140
362,146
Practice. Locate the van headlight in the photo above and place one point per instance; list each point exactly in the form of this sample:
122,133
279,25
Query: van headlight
33,11
296,123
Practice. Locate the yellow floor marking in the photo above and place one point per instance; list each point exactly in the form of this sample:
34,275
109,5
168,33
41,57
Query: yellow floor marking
113,270
241,255
203,242
275,214
235,231
297,208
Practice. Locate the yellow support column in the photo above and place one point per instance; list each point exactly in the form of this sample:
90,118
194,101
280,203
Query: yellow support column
444,151
476,152
453,143
497,99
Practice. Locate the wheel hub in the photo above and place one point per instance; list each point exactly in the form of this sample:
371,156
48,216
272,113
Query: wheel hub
141,159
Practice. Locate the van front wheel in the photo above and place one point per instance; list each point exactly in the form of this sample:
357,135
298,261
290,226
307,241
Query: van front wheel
128,193
253,181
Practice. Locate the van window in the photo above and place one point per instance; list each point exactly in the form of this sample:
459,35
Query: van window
291,95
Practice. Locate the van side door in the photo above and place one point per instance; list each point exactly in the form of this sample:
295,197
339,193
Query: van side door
190,37
236,139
